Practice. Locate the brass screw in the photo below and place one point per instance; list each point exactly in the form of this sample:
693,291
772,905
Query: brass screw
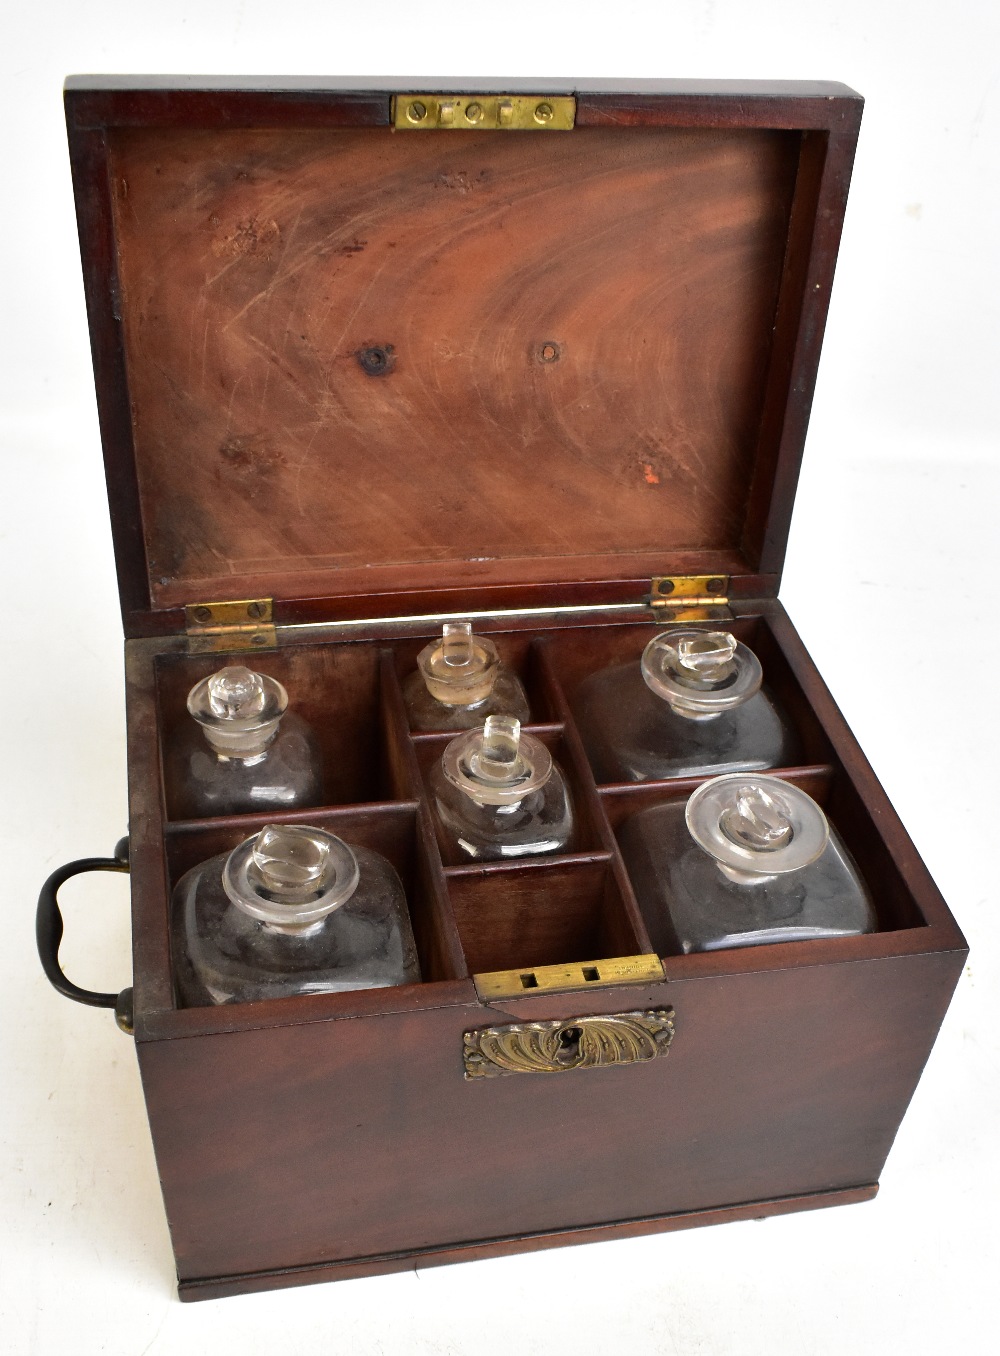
544,113
203,614
665,586
715,585
256,610
416,112
474,113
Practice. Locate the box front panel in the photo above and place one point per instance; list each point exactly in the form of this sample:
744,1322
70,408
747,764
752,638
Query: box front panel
357,1138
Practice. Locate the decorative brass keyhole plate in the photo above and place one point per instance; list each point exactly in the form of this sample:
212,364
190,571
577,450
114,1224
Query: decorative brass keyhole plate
575,1043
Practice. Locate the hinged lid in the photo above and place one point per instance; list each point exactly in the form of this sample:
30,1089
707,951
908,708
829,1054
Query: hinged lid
366,373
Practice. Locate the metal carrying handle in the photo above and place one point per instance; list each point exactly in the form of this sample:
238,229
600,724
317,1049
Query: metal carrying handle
49,932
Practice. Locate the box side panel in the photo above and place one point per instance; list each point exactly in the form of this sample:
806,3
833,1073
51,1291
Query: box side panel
333,1141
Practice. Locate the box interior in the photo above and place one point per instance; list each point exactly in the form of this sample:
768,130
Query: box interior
468,917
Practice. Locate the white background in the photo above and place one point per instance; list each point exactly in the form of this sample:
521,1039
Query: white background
890,579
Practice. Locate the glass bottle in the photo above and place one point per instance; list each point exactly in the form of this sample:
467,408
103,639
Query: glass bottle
692,707
292,910
245,751
747,860
459,681
499,795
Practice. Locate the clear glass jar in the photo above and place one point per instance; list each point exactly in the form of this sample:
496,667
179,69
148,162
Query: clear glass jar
748,860
291,910
498,794
692,707
459,681
244,751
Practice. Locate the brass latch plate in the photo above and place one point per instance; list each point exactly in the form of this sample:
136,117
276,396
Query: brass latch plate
246,624
599,974
483,112
576,1043
690,597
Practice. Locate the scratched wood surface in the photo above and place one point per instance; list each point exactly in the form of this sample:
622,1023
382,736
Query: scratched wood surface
351,347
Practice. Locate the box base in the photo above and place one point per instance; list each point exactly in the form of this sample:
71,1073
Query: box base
218,1287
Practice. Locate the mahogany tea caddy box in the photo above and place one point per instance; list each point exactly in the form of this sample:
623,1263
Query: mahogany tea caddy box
540,358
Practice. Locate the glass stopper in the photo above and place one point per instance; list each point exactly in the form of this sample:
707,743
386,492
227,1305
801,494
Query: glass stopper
460,668
290,858
290,876
498,753
457,649
709,656
497,764
756,827
757,820
700,673
236,693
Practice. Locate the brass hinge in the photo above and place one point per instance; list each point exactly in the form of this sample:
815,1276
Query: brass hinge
483,112
690,597
246,624
599,974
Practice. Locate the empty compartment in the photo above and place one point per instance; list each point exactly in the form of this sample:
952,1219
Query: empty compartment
335,689
394,832
519,917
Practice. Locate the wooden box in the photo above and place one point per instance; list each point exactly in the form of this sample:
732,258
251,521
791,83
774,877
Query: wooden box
542,358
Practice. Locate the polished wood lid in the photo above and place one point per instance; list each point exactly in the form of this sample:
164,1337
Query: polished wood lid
367,372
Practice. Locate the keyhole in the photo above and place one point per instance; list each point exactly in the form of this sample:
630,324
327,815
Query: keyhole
569,1044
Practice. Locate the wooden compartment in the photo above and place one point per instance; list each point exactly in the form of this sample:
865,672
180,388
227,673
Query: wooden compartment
573,655
372,380
587,833
515,917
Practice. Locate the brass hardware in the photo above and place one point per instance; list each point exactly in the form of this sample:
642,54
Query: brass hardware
553,978
508,112
576,1043
214,628
690,597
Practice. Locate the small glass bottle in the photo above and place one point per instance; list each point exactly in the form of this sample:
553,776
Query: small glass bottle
247,752
748,860
499,795
692,707
459,681
292,910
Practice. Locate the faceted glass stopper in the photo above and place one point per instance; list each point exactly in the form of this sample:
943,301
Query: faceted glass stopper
497,765
460,668
290,859
758,820
700,673
708,656
756,826
290,875
236,693
238,709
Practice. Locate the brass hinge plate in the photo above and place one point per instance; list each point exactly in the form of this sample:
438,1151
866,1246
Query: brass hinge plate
483,112
215,628
599,974
690,597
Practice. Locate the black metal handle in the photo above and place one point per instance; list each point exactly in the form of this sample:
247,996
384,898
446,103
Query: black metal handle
49,931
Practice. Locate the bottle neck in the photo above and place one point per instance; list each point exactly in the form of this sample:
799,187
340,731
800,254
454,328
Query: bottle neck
246,746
